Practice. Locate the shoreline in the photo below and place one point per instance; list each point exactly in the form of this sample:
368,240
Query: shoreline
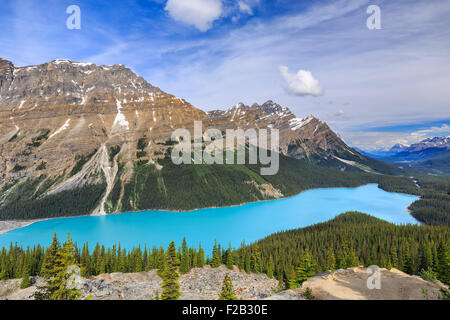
10,225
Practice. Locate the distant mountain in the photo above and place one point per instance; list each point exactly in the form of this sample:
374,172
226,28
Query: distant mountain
382,153
308,138
431,148
79,138
398,148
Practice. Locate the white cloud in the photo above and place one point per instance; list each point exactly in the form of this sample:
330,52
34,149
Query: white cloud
245,8
433,131
301,84
339,113
374,140
199,13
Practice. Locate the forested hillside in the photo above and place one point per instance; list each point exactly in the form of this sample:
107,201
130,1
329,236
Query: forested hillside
183,187
350,239
187,187
433,208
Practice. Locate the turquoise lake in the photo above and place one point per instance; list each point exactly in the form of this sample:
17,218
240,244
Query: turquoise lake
248,222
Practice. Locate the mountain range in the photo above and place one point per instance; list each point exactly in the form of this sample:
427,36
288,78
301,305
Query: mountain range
99,136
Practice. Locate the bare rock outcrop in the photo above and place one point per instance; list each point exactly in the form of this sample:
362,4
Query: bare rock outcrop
206,284
198,284
351,284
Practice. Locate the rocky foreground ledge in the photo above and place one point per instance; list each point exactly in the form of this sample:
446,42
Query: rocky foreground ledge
206,283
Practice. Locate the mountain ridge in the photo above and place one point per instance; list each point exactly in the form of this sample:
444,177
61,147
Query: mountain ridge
72,130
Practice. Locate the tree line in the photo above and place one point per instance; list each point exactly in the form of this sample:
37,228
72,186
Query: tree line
349,240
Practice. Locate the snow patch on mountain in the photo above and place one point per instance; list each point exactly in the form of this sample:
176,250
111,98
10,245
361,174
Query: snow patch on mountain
120,117
63,127
297,123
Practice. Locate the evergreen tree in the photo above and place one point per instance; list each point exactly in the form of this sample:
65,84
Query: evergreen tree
229,259
247,266
270,267
227,289
216,258
60,281
393,254
161,261
50,258
200,262
306,268
256,263
330,259
170,285
184,264
57,275
427,257
26,280
443,270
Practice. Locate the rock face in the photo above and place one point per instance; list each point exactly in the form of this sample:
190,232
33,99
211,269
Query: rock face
55,111
351,284
197,284
431,148
306,138
65,125
206,284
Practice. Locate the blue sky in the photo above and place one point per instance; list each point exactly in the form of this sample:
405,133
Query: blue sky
374,87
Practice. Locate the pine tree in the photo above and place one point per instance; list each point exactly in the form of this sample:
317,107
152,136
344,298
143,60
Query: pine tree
270,267
407,261
200,257
230,260
247,266
227,289
290,278
306,268
26,280
65,259
161,261
216,258
170,285
184,264
443,255
427,257
57,275
330,259
393,253
256,263
50,258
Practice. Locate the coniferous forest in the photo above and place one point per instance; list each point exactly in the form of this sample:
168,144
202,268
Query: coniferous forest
351,239
187,187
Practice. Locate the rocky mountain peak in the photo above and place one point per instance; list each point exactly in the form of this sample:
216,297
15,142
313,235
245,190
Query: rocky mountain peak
57,111
5,65
435,142
6,76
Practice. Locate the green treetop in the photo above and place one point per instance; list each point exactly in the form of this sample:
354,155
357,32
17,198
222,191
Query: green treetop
170,285
227,289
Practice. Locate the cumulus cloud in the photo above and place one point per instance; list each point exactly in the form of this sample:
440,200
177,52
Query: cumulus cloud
199,13
301,83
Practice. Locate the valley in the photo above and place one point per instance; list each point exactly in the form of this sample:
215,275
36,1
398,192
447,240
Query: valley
86,150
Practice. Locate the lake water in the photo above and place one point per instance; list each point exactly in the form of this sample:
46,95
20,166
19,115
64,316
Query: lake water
248,222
